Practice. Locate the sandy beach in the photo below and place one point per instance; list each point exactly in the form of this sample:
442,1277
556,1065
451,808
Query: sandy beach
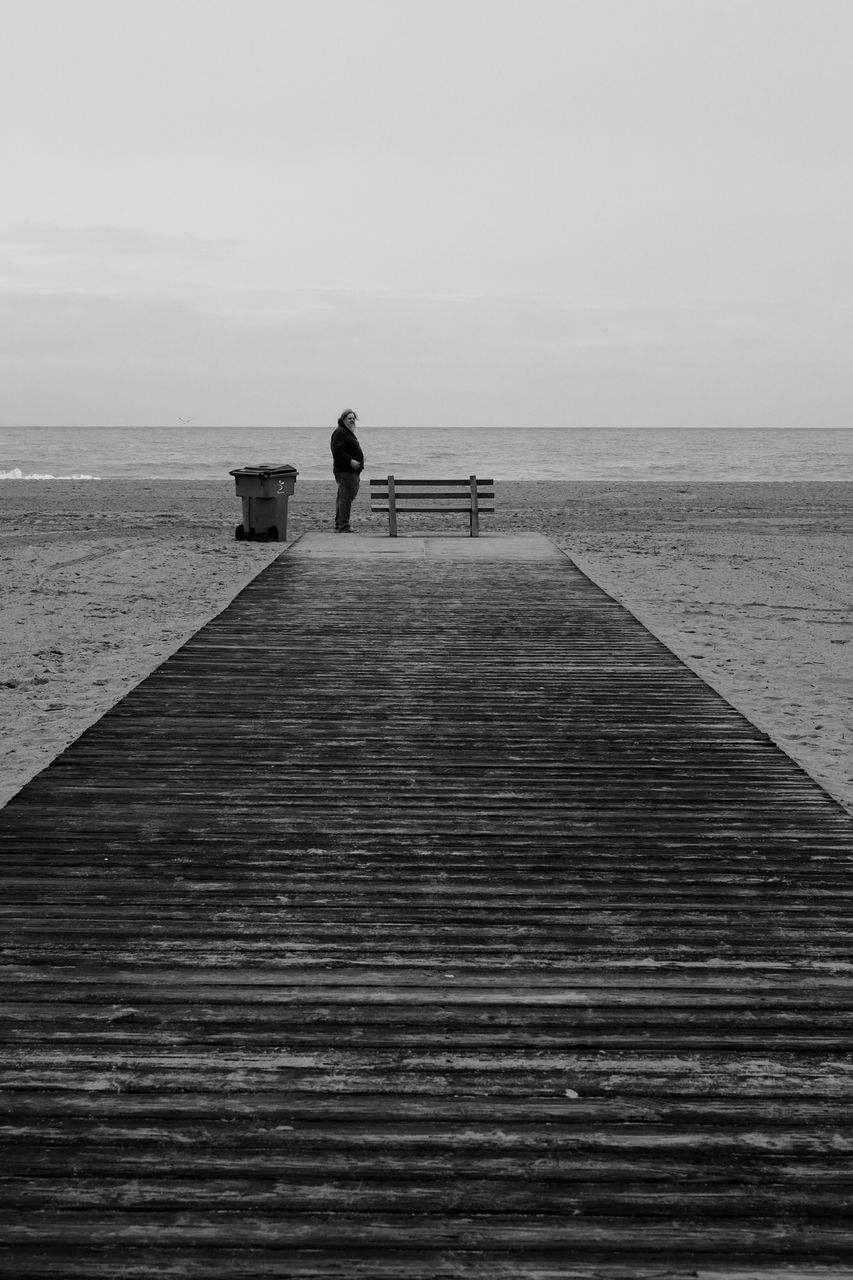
751,585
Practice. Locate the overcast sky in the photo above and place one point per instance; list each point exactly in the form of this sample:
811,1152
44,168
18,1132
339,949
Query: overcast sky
443,212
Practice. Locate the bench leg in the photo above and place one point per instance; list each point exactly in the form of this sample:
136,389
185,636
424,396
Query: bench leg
392,508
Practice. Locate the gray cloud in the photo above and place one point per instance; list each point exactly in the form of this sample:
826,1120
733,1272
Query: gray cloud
111,242
417,360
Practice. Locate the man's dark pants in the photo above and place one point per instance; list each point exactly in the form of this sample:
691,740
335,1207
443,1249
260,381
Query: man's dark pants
348,482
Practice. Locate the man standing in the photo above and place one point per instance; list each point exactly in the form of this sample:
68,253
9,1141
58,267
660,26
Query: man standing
347,464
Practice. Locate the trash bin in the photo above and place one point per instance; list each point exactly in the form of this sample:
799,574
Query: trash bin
264,490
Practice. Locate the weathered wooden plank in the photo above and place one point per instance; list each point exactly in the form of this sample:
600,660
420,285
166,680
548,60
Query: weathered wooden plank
383,1264
709,1086
158,1152
761,1147
376,1195
787,1239
572,980
779,1116
445,991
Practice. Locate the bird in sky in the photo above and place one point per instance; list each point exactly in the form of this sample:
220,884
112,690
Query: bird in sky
185,420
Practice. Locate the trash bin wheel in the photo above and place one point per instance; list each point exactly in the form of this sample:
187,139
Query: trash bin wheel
240,533
272,534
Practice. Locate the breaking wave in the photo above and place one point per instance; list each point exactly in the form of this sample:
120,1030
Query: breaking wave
17,474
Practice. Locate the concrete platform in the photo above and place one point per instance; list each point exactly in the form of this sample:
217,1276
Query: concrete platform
429,546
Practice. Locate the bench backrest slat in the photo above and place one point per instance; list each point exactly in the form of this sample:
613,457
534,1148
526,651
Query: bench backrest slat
398,480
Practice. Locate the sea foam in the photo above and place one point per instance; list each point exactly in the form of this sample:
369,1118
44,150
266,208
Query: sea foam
17,474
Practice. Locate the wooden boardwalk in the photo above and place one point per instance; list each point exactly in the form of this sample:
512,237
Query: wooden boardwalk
425,918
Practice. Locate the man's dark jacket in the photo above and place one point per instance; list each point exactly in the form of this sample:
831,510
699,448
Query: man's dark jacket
345,449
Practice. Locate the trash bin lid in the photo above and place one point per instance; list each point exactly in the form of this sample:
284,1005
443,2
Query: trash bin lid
265,469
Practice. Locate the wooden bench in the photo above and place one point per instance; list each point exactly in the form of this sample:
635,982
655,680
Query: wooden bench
402,496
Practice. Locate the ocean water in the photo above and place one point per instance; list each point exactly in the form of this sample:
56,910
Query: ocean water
204,453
